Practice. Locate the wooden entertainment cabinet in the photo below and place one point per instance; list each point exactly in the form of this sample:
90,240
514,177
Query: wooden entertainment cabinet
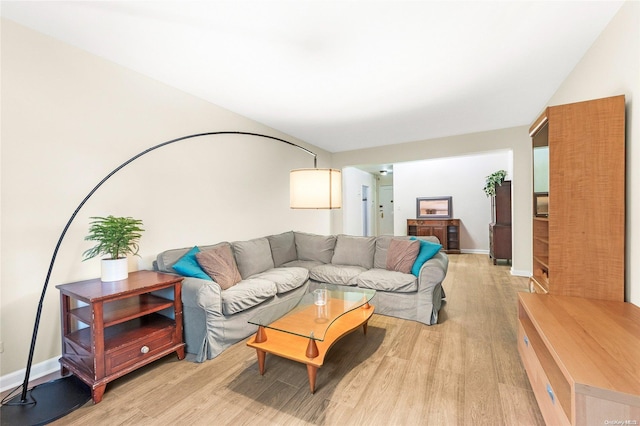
578,340
582,357
120,326
446,230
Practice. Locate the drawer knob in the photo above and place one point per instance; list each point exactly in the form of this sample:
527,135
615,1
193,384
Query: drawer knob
550,392
144,349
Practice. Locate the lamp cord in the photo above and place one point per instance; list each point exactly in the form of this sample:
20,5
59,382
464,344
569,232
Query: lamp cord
25,383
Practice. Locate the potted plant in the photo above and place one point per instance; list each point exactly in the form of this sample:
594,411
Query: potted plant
116,238
493,180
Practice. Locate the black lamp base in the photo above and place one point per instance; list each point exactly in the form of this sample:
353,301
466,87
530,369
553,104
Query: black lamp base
46,402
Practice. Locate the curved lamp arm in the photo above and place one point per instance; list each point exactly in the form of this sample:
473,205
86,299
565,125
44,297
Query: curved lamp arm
25,383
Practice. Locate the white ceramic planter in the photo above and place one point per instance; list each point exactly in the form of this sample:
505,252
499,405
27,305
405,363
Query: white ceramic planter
115,269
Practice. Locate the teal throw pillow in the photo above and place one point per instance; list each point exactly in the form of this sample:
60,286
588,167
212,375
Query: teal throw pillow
188,265
427,251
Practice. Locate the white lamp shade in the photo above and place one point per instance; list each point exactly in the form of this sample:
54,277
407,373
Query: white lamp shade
315,189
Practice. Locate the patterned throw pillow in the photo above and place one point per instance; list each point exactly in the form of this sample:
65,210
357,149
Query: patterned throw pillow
402,255
220,265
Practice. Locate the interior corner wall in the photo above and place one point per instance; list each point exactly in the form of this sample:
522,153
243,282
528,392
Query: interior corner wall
69,118
434,178
612,67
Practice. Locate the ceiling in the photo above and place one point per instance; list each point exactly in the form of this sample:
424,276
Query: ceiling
343,75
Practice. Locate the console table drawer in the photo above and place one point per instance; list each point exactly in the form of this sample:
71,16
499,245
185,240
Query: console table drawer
139,351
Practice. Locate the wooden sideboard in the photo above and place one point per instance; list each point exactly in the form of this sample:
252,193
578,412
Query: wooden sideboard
581,357
446,230
120,327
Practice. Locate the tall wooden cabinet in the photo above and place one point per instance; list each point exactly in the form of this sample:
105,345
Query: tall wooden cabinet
578,243
500,226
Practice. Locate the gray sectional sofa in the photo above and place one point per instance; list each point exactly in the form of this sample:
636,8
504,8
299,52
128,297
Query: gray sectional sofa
277,270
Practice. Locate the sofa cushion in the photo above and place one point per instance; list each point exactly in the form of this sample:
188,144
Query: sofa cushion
428,249
384,280
166,259
315,247
402,255
356,251
336,274
247,294
220,265
382,245
283,248
285,278
188,265
253,256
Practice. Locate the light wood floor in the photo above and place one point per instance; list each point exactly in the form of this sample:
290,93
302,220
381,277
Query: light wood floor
463,371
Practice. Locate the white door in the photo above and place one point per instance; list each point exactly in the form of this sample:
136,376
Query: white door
385,210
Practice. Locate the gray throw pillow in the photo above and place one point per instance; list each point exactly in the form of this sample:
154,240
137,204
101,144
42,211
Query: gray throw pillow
253,256
283,248
355,251
315,247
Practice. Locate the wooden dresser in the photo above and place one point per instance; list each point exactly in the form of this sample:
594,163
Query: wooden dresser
582,357
446,230
119,326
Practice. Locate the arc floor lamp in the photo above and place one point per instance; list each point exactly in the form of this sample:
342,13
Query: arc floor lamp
311,188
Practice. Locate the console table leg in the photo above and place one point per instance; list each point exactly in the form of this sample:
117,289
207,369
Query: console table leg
312,372
261,358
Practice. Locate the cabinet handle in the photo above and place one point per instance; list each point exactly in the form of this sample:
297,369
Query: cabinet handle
551,395
526,341
144,349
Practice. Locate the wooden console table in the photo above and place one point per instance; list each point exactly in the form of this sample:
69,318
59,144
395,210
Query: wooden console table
582,357
446,230
120,328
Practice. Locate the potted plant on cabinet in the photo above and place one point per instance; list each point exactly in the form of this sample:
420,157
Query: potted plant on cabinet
116,238
493,180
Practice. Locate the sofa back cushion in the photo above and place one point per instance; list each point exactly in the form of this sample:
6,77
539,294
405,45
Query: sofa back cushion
354,251
283,248
315,247
253,256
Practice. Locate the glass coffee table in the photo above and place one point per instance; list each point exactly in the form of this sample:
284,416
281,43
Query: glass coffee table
306,333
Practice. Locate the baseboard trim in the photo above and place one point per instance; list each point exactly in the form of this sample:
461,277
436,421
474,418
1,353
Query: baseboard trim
518,273
41,369
474,251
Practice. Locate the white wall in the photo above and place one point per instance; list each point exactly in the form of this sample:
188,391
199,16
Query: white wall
460,177
352,208
612,67
68,118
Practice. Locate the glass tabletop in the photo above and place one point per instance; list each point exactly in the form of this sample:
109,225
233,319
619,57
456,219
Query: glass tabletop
315,312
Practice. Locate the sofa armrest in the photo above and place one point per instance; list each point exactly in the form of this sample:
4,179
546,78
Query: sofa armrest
433,272
203,294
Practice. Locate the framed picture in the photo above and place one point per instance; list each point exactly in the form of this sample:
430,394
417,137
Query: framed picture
434,207
541,204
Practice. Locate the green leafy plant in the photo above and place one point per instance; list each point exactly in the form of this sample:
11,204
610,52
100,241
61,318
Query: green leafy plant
116,237
493,180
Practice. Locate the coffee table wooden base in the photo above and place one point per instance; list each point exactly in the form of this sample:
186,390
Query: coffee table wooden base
304,350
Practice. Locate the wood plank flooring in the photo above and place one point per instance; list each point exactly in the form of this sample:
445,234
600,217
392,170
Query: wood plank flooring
463,371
